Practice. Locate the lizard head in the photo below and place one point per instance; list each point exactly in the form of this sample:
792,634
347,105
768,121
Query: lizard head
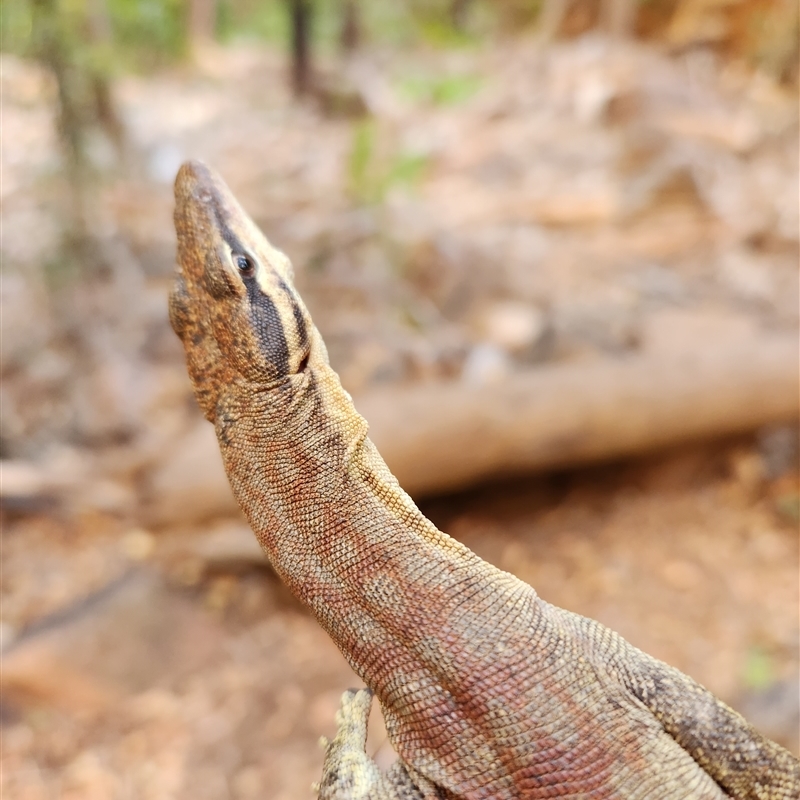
233,303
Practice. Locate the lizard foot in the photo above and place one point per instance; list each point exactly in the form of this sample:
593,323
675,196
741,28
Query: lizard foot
348,773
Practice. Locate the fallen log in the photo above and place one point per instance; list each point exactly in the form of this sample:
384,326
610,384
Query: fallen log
438,437
442,437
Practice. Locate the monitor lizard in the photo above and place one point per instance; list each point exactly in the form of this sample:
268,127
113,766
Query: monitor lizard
487,690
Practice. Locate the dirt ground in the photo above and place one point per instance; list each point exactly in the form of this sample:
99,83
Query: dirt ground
499,209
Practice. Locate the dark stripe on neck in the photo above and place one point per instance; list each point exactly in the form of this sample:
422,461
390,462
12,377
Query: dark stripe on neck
268,328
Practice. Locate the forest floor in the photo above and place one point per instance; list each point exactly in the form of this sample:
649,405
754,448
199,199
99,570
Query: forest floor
498,209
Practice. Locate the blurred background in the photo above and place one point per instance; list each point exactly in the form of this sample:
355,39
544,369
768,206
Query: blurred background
552,246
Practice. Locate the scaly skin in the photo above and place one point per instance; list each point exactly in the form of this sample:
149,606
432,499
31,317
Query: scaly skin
487,690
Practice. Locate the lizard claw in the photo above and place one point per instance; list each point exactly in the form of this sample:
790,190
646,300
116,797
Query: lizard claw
348,773
353,714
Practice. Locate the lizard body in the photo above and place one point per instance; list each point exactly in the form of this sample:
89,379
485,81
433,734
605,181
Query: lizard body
487,690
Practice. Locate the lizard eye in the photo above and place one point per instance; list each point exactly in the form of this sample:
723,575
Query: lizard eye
245,265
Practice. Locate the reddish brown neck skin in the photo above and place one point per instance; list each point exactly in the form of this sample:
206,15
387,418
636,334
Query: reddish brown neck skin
335,516
398,597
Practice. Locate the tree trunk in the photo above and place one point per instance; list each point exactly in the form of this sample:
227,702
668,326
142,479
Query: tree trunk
54,50
300,15
459,10
350,34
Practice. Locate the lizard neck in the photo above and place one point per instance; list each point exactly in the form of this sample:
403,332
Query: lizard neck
405,604
337,527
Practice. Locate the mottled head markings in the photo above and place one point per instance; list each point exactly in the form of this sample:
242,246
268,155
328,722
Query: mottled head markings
239,266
